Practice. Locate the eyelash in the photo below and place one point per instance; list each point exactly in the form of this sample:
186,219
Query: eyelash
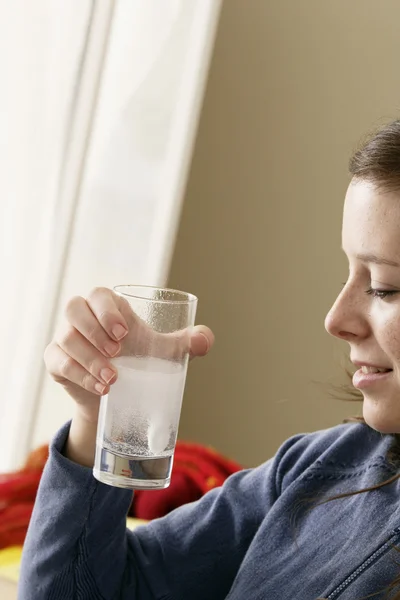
381,294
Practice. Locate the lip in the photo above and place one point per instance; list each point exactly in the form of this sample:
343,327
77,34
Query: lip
363,380
362,363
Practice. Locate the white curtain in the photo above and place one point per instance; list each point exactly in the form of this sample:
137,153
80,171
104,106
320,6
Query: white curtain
37,91
102,105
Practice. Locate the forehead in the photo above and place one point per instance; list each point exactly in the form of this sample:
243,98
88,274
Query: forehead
371,221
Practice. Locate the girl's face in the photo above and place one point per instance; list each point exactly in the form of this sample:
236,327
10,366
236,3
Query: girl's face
367,311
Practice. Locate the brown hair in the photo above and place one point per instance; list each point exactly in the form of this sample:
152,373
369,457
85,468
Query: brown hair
377,161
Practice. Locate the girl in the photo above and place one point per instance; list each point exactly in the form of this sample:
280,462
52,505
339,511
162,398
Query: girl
319,520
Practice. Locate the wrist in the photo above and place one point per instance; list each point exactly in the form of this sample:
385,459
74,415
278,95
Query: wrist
80,446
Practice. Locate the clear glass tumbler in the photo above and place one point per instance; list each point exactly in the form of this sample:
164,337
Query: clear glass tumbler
139,418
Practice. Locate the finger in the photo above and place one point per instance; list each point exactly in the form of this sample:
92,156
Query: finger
65,369
75,345
81,317
201,341
105,306
196,341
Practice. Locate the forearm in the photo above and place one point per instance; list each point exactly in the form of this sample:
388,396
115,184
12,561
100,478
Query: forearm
77,535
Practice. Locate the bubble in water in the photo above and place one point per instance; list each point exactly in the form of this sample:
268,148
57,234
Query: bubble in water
142,411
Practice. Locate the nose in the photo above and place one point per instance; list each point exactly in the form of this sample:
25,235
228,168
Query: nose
348,317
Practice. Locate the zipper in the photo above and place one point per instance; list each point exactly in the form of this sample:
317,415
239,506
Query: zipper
370,560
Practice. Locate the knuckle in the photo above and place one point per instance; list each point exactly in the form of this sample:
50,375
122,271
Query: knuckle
46,353
87,381
49,350
72,304
124,304
67,336
93,332
92,367
97,292
119,301
66,367
105,316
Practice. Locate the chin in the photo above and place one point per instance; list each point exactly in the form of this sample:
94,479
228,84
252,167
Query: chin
381,415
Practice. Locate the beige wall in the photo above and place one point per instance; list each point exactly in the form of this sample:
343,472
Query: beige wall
292,87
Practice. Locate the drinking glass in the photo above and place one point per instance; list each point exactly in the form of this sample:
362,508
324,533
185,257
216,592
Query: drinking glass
139,417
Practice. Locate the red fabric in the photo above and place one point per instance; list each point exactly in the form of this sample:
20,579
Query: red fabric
196,470
17,497
14,521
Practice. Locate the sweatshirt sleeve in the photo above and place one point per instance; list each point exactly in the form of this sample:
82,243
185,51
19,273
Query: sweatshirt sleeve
78,546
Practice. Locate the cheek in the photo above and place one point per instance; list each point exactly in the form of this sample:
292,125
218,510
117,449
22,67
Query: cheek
388,336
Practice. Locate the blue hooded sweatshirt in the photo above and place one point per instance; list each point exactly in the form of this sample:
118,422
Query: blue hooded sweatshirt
251,539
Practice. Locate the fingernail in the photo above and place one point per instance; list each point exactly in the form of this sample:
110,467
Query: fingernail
111,348
99,388
119,332
106,375
207,341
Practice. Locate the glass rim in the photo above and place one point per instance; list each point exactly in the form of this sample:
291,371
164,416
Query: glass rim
190,298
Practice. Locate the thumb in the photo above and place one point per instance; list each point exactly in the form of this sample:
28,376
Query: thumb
201,341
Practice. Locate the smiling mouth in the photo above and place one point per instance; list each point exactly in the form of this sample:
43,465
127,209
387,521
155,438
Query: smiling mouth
366,377
367,370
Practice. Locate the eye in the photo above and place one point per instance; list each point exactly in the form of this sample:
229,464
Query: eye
381,294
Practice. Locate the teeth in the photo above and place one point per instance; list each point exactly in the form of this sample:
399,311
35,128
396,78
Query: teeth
367,370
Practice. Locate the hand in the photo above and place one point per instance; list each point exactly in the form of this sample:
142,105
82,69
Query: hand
96,327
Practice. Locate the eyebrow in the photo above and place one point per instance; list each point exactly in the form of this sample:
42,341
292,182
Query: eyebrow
378,260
